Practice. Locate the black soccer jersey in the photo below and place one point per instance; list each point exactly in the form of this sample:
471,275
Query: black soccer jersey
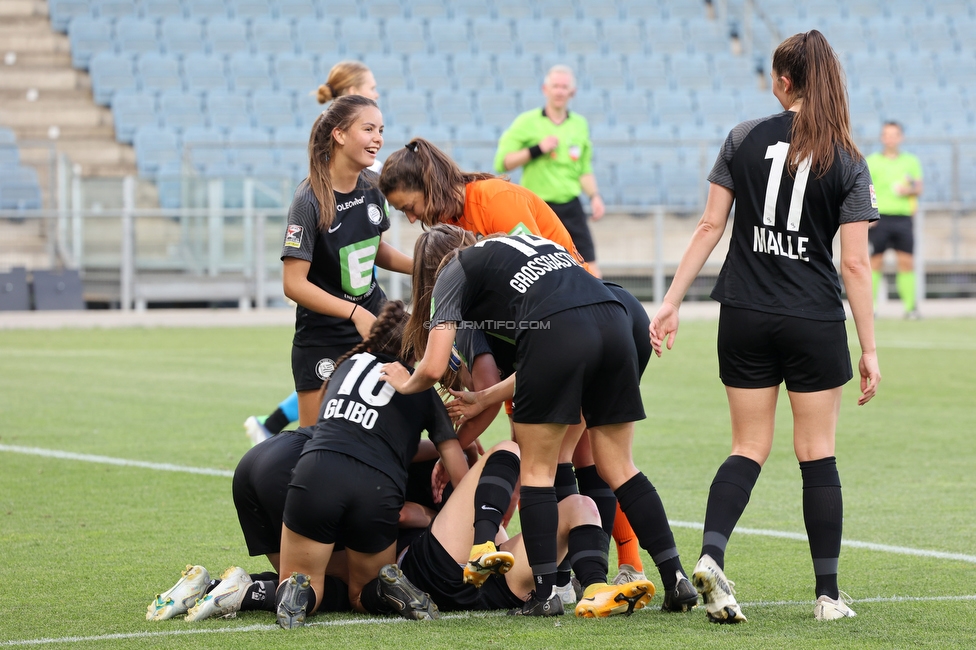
506,285
342,257
780,256
365,418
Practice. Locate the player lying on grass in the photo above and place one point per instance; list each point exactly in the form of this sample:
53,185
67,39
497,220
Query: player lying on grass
457,563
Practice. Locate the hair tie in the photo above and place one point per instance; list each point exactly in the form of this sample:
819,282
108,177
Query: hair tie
327,85
412,146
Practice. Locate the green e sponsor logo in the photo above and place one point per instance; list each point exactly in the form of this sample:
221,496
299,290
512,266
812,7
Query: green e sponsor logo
520,229
357,265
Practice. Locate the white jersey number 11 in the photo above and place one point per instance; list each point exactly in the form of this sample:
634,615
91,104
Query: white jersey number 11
778,153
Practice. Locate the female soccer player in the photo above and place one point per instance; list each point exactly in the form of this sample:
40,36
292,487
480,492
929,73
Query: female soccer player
345,78
427,186
351,477
796,178
333,240
539,289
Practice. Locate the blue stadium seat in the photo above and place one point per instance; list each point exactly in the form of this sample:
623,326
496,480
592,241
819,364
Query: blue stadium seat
647,10
387,69
318,38
557,9
253,10
161,9
88,36
361,35
7,135
272,36
734,72
111,72
113,9
666,37
248,72
638,186
298,11
308,109
383,9
475,158
497,108
602,72
599,10
333,9
473,71
447,35
513,9
179,35
536,35
471,133
291,135
623,36
674,106
155,146
227,109
169,185
63,11
205,8
405,35
204,146
9,155
158,71
428,71
492,36
603,132
630,107
20,189
648,71
295,72
427,9
204,72
134,35
580,37
227,36
131,110
249,146
405,107
451,107
272,109
517,72
692,72
180,109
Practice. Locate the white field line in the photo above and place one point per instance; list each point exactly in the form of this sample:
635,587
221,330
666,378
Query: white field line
107,460
388,621
69,455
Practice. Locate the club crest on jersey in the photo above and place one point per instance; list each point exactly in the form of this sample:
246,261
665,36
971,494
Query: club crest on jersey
324,368
374,213
874,197
293,237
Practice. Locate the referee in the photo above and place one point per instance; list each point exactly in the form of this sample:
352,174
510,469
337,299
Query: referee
554,147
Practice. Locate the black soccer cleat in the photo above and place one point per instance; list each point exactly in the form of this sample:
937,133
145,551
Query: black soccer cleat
682,598
406,600
535,606
293,602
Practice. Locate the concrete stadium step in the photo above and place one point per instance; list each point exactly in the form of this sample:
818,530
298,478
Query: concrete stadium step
23,9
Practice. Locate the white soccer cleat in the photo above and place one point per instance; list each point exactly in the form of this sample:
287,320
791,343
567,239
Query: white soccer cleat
226,598
255,430
627,573
566,593
717,592
828,609
181,596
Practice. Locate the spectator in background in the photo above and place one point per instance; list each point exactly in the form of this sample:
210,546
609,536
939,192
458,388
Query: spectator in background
554,147
897,178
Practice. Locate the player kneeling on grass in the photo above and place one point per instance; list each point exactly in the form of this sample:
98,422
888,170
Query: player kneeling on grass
456,560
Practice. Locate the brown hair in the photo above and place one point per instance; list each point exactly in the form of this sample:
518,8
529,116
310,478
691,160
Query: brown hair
824,120
322,147
433,249
343,76
421,167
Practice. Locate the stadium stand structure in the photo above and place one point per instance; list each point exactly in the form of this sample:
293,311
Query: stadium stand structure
652,74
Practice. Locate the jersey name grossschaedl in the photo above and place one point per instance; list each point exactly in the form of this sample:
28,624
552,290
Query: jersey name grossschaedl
780,257
341,257
365,418
510,284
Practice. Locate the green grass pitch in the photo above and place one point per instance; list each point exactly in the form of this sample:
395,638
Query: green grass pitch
84,546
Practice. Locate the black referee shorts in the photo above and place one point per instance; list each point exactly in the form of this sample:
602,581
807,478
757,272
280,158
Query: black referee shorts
332,493
583,359
892,231
432,569
260,486
759,350
574,218
313,365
